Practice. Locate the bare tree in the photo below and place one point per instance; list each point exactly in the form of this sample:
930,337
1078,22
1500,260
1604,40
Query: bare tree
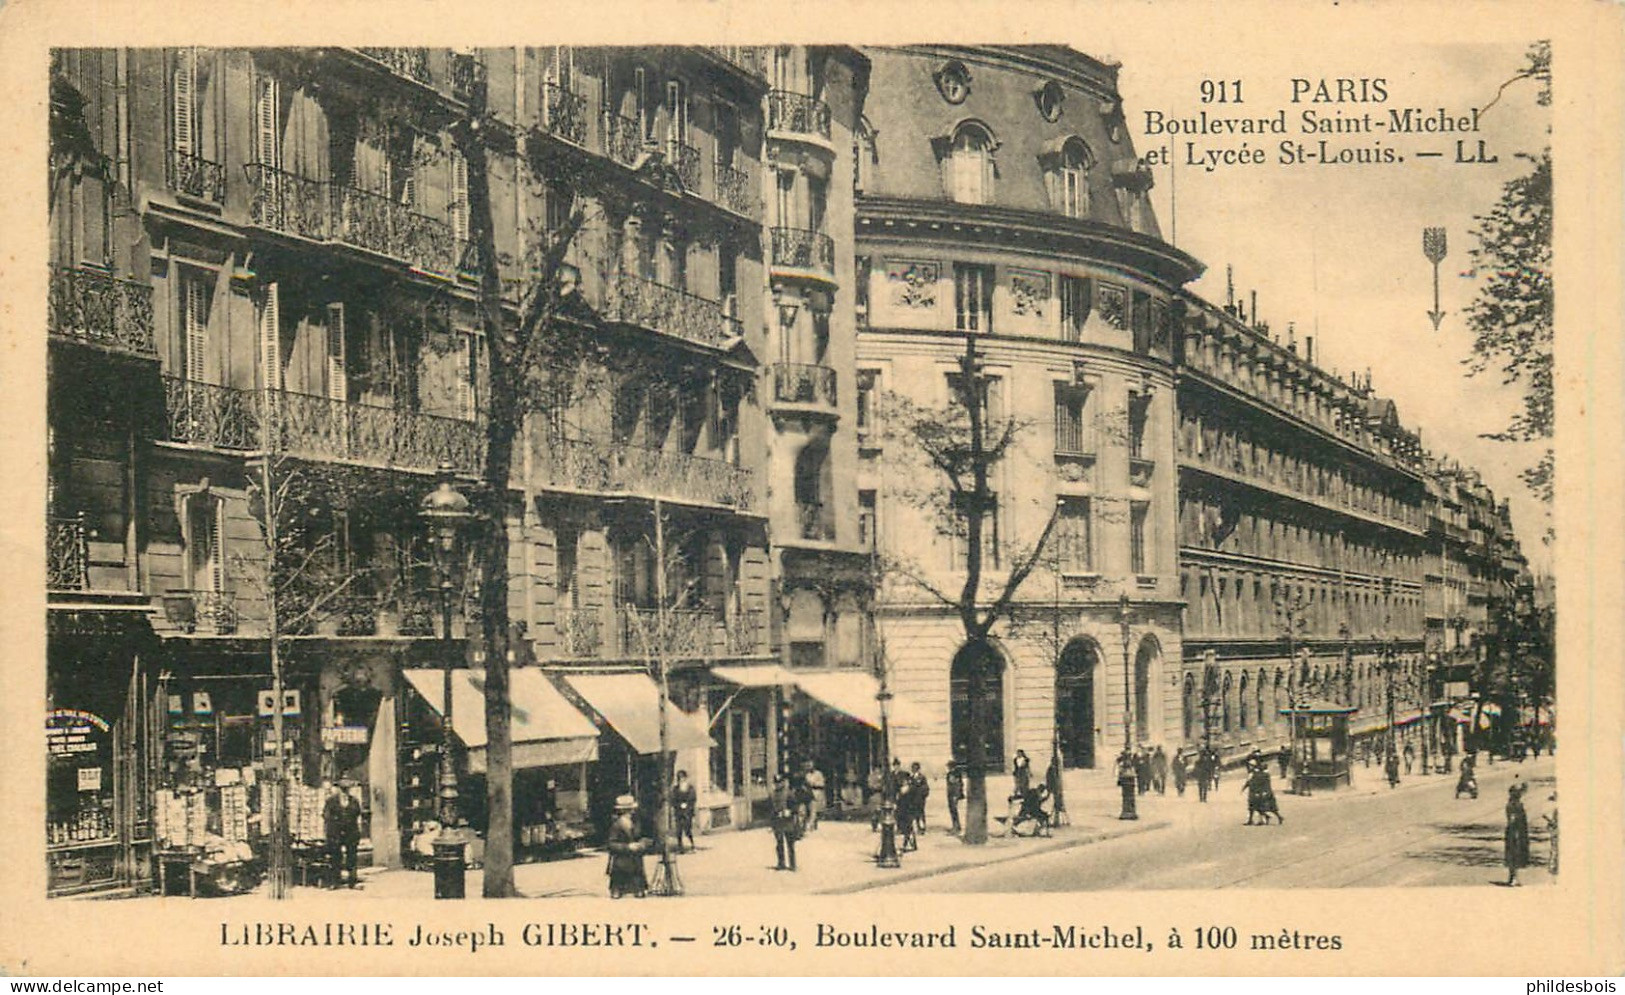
962,445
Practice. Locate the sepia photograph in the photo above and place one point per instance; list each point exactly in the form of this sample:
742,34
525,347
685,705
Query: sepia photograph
662,472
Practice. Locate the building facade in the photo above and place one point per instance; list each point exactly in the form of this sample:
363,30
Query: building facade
1000,199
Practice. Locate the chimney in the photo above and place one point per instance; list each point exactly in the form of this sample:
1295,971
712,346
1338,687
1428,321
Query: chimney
1253,305
1309,349
1292,337
1229,288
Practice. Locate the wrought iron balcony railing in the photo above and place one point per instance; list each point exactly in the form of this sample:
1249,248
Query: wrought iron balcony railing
736,189
580,631
745,57
814,524
623,138
374,222
233,419
67,554
804,383
628,631
211,612
287,202
196,176
685,159
467,77
102,310
413,63
606,467
665,310
802,248
797,113
564,113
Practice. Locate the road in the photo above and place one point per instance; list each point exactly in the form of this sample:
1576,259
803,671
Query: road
1370,836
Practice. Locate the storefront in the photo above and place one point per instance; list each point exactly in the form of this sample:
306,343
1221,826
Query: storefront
552,742
743,703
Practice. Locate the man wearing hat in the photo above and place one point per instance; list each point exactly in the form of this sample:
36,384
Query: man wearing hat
786,827
626,850
956,793
341,823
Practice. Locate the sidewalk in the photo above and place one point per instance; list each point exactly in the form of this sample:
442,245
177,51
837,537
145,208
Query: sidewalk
836,858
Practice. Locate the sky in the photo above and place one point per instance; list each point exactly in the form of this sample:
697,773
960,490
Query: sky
1338,249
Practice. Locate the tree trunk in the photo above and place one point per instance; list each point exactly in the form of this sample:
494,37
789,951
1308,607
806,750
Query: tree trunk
501,426
975,833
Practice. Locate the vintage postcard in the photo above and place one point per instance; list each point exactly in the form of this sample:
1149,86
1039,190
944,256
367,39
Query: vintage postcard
945,488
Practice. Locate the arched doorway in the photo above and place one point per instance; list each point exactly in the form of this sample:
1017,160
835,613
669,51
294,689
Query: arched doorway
976,688
1075,703
1147,713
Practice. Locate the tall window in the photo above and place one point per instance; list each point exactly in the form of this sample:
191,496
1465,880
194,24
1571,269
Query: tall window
973,297
196,297
990,536
784,203
459,197
727,134
817,202
1139,406
969,165
868,393
1069,179
868,522
191,128
566,539
1075,301
205,543
470,360
1242,703
1070,402
269,319
1073,537
1139,512
267,122
990,397
677,109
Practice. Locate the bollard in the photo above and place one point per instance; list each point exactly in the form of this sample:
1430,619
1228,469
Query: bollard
449,881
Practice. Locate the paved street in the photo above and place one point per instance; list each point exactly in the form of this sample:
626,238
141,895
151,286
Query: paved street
1369,837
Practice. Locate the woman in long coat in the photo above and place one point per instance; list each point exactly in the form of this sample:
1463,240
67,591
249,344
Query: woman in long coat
626,849
1517,834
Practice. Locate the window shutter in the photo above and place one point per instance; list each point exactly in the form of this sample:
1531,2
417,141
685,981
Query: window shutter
337,389
183,101
217,546
267,134
195,316
459,196
465,375
271,338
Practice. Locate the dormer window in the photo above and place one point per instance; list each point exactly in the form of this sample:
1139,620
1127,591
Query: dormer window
968,170
953,82
1066,166
1051,99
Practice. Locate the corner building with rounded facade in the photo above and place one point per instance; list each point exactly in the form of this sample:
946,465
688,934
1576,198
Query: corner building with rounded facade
999,195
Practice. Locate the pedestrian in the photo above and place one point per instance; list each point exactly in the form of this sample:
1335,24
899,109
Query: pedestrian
341,823
1517,833
1159,770
1551,830
1179,772
801,797
626,846
851,794
1260,796
683,799
956,794
1365,753
1284,758
874,790
1142,769
920,790
1410,757
813,779
1467,782
1021,773
1214,767
907,820
1391,766
786,828
1204,773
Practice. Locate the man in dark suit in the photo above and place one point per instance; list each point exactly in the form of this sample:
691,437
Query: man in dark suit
786,826
341,821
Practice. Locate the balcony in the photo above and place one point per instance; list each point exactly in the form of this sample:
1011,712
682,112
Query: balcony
196,177
412,63
743,57
736,189
685,160
606,467
633,300
99,309
378,224
579,631
306,425
805,384
623,138
564,114
632,632
814,524
797,114
208,612
67,554
285,202
804,249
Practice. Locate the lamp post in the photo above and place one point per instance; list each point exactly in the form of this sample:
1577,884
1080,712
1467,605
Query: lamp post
1210,701
1125,764
1348,664
445,513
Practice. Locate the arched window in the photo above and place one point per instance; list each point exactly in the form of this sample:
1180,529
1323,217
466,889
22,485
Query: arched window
1242,714
1190,703
968,167
1228,702
1072,181
1258,692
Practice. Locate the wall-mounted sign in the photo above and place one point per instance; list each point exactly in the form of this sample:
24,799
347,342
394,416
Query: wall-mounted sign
71,731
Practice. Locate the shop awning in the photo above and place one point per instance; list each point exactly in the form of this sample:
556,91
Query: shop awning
547,730
856,692
630,703
756,675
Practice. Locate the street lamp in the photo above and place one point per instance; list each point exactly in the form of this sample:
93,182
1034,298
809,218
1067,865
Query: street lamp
1348,664
445,514
1125,764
